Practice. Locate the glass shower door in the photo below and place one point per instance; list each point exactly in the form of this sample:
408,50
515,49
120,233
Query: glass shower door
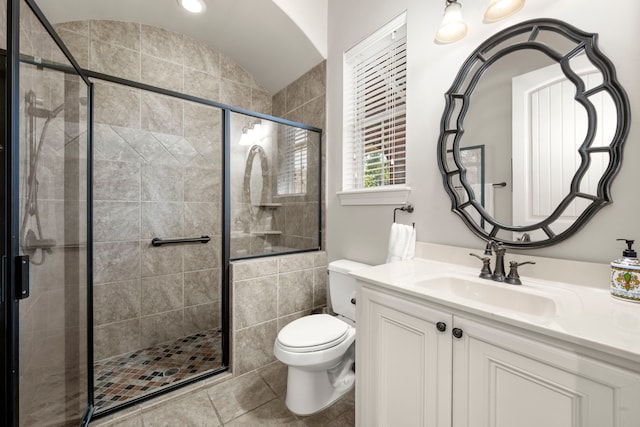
53,249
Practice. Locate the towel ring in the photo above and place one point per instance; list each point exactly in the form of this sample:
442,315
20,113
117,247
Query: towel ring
407,208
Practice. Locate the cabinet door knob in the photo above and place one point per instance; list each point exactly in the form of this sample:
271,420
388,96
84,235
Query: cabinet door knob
457,332
441,326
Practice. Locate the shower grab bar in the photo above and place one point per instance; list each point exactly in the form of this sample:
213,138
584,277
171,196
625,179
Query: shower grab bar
157,241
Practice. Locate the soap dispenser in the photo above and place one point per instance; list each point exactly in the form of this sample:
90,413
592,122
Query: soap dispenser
625,275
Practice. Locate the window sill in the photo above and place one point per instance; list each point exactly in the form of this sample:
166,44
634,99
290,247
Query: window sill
391,195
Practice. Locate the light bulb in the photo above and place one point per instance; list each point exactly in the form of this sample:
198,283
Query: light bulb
193,6
453,27
500,9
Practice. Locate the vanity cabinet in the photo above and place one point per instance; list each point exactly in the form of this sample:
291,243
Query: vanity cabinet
471,372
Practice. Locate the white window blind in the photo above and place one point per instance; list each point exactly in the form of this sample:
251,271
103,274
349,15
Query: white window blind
292,161
375,109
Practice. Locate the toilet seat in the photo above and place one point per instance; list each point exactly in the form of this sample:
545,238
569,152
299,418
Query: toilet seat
313,333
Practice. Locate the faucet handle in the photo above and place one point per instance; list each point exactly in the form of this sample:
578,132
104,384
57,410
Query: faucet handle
485,273
513,278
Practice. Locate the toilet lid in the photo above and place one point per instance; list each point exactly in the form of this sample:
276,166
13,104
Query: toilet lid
315,332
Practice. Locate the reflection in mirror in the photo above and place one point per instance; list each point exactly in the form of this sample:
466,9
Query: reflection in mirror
551,137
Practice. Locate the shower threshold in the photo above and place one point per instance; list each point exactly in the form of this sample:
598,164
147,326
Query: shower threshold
130,376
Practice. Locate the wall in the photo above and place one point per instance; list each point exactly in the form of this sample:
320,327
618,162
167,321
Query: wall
157,173
361,232
268,293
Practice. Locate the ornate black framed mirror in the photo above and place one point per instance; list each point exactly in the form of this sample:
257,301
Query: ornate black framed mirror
546,105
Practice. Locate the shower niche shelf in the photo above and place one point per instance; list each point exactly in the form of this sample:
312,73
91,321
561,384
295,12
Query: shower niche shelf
266,233
268,205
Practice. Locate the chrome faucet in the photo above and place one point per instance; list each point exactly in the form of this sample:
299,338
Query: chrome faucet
498,270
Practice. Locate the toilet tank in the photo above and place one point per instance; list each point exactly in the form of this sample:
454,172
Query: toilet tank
342,287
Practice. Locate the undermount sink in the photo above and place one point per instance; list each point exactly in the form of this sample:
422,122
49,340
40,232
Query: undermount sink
516,299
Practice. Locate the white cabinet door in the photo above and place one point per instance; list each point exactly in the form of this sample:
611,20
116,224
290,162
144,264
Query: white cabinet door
504,380
403,363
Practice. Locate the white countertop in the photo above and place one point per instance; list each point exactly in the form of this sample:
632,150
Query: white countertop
585,316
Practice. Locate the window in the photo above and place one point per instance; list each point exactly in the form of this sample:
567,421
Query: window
292,161
375,109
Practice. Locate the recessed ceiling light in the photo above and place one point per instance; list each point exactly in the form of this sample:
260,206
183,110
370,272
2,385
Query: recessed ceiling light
193,6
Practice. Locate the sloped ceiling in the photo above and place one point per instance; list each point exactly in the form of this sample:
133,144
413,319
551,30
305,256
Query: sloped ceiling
258,34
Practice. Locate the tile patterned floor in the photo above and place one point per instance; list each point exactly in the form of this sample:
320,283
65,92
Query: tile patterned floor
131,375
254,399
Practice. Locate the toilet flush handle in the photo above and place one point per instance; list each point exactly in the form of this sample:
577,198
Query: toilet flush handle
353,301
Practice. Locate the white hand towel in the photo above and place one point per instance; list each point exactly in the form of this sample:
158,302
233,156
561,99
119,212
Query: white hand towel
402,242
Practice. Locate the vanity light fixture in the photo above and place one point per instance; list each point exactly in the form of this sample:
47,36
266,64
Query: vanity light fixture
500,9
453,27
193,6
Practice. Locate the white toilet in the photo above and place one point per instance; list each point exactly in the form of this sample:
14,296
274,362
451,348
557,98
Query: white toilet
320,349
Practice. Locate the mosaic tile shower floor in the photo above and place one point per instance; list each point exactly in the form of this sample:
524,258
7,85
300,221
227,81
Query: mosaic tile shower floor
132,375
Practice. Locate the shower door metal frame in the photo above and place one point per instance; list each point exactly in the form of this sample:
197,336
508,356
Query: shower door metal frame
9,200
226,111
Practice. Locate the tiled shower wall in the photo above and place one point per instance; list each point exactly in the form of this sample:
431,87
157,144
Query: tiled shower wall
157,174
304,101
268,293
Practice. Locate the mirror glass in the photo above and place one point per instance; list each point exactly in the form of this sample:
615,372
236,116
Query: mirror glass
529,146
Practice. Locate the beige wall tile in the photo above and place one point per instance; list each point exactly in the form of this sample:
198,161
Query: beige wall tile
313,113
161,183
236,94
320,282
111,146
295,292
200,318
295,262
78,45
161,293
113,221
201,84
161,328
80,27
117,33
161,43
116,105
261,101
200,57
202,121
115,302
116,338
161,73
116,261
202,219
159,113
161,219
202,185
114,60
201,287
230,70
279,103
159,260
242,270
253,347
202,257
255,301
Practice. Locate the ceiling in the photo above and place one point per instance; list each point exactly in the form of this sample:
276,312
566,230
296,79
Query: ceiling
263,36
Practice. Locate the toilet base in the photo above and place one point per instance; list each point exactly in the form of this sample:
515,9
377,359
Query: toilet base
309,392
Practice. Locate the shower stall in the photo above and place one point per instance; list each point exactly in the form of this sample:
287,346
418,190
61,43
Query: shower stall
123,205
